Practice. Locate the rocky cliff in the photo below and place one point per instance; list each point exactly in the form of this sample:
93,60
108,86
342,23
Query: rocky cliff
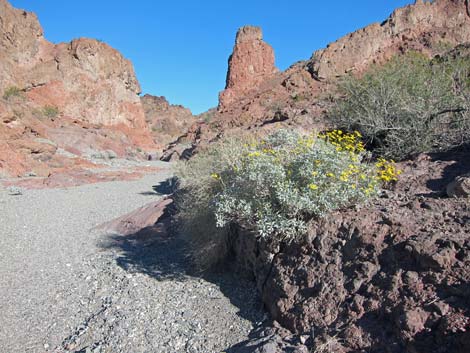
61,104
86,79
426,26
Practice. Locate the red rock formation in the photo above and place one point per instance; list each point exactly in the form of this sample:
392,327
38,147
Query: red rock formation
251,62
296,94
91,87
85,79
300,95
424,26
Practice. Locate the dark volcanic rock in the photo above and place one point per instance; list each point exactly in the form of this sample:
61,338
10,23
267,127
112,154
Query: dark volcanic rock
393,276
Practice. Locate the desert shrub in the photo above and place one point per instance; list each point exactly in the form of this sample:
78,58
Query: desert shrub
50,111
11,91
194,200
409,105
275,186
286,180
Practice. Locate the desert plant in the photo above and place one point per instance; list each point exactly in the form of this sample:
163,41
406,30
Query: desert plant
286,180
194,200
273,186
11,91
50,111
409,105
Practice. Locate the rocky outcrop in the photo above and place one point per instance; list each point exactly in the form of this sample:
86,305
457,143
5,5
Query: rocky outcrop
300,96
79,97
393,276
166,121
86,79
426,26
251,62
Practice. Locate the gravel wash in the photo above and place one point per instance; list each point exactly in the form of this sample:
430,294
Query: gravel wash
67,288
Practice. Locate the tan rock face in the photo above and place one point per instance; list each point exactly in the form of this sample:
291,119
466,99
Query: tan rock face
86,79
91,87
251,62
167,121
425,26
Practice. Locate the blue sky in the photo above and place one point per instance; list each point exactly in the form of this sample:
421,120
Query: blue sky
180,48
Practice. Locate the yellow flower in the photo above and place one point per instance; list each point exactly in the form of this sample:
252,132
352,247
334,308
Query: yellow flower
254,154
313,186
386,170
215,176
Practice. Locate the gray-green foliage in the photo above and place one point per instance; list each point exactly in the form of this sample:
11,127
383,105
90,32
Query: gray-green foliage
50,111
286,180
12,91
196,213
409,105
272,186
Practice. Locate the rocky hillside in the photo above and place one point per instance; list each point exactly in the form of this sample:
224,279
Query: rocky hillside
256,96
62,105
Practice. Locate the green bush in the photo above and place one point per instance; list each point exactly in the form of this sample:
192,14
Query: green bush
50,111
273,186
409,105
12,91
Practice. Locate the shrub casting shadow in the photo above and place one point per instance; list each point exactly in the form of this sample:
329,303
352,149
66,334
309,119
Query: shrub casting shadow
150,251
166,187
160,252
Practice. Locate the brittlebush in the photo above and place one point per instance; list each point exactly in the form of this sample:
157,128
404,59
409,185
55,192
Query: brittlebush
282,182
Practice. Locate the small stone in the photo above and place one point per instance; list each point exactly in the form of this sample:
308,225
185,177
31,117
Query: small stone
14,191
459,187
441,307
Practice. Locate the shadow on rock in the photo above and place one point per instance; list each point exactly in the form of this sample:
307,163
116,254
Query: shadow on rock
456,162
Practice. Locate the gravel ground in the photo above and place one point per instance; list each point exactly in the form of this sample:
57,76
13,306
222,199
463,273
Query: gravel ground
67,288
